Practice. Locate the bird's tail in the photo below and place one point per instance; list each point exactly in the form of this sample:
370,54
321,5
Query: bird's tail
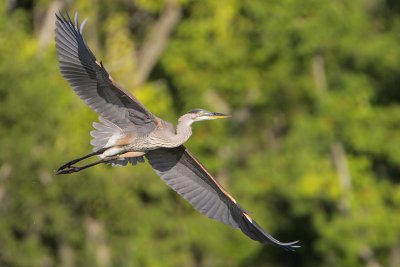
102,137
103,132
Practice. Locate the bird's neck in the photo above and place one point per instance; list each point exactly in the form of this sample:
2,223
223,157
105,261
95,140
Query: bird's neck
183,131
181,135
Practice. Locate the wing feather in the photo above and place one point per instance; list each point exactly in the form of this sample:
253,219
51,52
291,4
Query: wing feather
91,81
183,173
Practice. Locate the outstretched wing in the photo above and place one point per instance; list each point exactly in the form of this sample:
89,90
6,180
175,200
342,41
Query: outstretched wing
91,81
184,174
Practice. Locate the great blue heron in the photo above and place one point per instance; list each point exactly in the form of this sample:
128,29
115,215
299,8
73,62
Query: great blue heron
128,132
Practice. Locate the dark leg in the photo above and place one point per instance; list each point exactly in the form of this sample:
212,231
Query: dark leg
70,163
71,169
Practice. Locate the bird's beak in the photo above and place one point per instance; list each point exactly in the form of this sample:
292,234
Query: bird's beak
216,115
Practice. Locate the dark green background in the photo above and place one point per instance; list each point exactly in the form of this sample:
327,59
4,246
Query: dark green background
312,149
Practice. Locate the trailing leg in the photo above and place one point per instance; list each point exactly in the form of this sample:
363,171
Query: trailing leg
71,169
70,163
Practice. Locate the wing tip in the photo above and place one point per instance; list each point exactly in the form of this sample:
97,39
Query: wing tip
255,232
64,17
290,246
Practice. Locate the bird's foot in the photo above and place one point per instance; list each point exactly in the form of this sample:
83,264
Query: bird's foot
67,170
68,164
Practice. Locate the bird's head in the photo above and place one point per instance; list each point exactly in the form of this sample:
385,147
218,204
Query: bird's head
201,115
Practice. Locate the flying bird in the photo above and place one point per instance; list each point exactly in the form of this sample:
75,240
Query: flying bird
129,133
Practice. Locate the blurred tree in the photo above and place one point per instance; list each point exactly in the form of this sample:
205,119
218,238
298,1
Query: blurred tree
312,148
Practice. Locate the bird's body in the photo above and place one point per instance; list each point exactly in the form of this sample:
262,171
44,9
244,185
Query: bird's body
129,133
124,141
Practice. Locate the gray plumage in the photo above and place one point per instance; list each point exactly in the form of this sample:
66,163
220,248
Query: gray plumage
181,172
128,132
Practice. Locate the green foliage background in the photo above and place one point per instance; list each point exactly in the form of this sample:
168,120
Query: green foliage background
312,149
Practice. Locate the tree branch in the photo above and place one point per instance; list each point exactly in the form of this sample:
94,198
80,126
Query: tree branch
45,32
339,159
156,41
